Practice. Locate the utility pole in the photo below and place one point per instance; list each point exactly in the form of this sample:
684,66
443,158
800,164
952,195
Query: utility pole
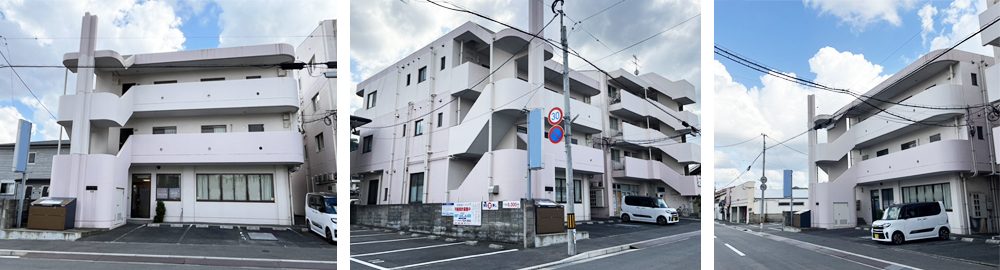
763,180
570,216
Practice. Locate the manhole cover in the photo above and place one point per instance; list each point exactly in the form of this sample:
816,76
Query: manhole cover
262,236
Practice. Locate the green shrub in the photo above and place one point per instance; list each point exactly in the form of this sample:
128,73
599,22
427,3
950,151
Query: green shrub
160,211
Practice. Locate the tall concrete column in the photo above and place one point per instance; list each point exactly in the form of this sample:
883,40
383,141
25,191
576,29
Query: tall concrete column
81,118
813,171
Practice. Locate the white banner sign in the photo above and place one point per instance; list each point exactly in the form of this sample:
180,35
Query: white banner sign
491,205
468,213
448,209
511,204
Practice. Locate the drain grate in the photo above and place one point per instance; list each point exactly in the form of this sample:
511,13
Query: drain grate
262,236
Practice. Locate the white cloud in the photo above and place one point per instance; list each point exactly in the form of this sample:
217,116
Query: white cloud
356,101
8,118
927,14
963,17
860,14
778,109
264,22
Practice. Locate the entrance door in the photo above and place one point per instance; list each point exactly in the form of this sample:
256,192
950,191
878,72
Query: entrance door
840,214
875,205
119,204
372,192
140,195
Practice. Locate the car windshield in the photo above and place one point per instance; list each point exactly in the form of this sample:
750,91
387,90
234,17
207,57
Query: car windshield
331,205
660,203
892,213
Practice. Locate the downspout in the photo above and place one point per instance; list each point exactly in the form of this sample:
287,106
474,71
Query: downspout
493,92
989,131
392,151
430,124
406,154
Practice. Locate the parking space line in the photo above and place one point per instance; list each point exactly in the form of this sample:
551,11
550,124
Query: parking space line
367,235
184,234
735,250
453,259
383,241
136,228
406,249
368,264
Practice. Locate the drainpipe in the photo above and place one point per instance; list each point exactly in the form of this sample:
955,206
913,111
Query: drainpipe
493,92
406,153
989,131
430,124
392,151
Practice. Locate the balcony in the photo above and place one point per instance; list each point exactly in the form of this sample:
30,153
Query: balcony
684,153
991,35
933,158
877,129
466,75
681,91
640,169
277,147
636,108
271,95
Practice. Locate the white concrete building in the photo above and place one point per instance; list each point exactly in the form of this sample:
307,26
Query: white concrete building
874,159
433,138
318,114
211,133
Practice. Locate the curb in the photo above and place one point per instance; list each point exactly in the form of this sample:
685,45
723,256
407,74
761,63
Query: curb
592,254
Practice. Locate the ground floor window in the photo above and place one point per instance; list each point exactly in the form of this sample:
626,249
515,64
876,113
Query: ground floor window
928,193
168,186
417,188
561,191
236,187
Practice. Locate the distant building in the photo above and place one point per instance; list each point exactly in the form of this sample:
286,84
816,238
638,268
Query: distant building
39,169
318,117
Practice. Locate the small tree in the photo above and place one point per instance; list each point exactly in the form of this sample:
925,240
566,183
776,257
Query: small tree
160,211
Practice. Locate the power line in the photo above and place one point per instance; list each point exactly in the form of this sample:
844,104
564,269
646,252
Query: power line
138,37
599,12
647,39
26,87
789,147
288,65
739,143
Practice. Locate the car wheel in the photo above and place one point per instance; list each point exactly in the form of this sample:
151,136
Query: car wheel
944,234
897,238
625,218
661,220
329,236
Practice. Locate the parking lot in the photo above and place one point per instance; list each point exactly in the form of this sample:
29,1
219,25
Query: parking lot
200,234
373,248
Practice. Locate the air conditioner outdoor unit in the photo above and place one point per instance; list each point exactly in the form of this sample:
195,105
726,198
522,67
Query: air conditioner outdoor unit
493,189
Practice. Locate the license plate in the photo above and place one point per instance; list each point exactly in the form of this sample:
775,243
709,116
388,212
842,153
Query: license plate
675,219
878,236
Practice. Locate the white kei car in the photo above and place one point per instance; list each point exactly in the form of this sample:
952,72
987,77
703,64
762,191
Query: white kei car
321,215
912,221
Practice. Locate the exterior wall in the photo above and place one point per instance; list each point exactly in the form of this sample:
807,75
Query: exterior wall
502,225
39,172
320,168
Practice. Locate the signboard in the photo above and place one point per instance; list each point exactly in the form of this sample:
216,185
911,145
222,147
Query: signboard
788,184
161,193
555,116
511,204
491,205
21,146
535,128
555,134
448,209
468,213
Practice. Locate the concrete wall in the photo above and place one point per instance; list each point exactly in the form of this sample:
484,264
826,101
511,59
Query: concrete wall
514,226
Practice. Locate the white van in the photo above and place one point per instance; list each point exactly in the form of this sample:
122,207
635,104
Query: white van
321,215
647,209
912,221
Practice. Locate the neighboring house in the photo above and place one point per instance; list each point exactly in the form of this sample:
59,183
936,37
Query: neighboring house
939,152
740,205
318,105
211,133
39,169
775,204
435,113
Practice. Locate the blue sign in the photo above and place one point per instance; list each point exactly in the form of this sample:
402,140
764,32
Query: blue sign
21,145
788,183
555,134
535,129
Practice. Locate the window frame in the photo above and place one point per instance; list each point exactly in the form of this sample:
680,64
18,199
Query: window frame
418,127
214,128
422,74
440,119
420,189
879,153
320,143
165,129
367,144
32,156
250,127
246,177
932,137
577,191
372,97
161,180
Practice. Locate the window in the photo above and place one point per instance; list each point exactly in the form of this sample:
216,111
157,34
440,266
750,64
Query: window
366,144
165,82
255,128
440,119
168,187
7,188
975,80
979,132
928,193
422,75
442,63
320,144
561,191
661,189
253,77
614,155
418,127
371,100
864,157
408,79
882,152
936,137
213,129
213,79
315,102
786,204
236,187
126,87
612,91
522,130
417,188
614,123
164,130
908,145
31,157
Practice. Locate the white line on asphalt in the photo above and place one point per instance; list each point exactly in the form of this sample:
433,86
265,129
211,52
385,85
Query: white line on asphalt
18,252
406,249
735,250
383,241
369,264
855,254
453,259
366,235
611,250
590,259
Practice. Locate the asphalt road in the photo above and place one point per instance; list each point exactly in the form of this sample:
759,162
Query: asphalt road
684,254
736,248
15,263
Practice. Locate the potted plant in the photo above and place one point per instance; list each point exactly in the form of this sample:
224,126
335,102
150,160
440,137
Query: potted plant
160,211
